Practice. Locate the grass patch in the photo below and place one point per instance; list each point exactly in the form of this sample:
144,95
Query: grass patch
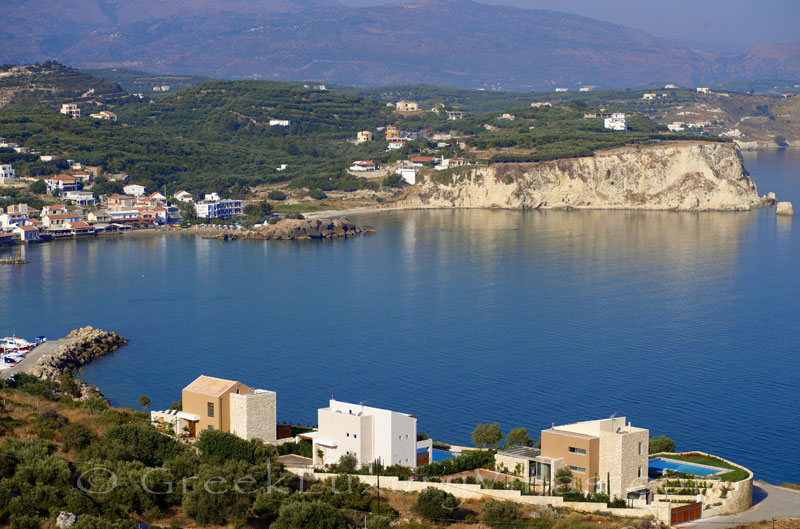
300,208
735,474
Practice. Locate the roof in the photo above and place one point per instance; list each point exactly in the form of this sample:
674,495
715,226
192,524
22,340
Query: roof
210,385
28,228
56,206
64,216
118,196
63,177
79,225
422,158
364,162
522,452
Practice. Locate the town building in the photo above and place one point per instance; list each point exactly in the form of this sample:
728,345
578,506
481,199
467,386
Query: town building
703,89
7,174
98,217
617,121
54,209
420,161
586,88
392,133
183,196
369,434
61,183
80,228
26,233
648,96
507,117
71,109
396,144
562,89
406,106
279,123
123,216
453,162
105,114
134,190
48,157
362,165
540,104
676,126
605,455
219,209
229,406
20,208
9,220
117,202
60,219
455,114
364,136
80,198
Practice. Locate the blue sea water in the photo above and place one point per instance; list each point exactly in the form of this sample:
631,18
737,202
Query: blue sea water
685,323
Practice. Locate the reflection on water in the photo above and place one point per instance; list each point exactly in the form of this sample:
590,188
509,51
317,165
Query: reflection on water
680,321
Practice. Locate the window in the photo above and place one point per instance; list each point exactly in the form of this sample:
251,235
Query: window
355,436
579,470
574,450
347,434
640,449
210,409
210,426
640,472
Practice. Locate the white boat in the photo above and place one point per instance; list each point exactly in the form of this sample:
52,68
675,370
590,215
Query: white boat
15,344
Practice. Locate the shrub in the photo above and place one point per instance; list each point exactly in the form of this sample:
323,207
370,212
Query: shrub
393,180
435,504
618,503
661,443
317,194
310,515
75,437
225,446
500,513
276,194
347,464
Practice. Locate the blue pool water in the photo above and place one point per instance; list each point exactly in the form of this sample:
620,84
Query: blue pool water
441,455
679,466
685,323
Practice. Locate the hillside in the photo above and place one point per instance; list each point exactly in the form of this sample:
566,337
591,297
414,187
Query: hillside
50,84
447,42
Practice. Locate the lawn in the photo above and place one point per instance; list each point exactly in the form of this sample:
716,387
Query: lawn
736,474
287,209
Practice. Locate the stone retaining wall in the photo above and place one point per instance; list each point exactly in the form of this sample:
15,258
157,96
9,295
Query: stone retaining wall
468,492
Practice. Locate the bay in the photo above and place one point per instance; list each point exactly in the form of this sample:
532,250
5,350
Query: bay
686,323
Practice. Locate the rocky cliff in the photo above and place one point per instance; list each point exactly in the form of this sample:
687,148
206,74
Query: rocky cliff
679,176
294,229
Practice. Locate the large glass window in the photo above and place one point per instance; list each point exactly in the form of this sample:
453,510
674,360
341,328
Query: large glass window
574,450
579,470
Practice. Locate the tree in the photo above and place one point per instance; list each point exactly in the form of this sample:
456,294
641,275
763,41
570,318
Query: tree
276,194
435,504
661,443
393,180
487,435
563,479
500,513
780,141
144,401
347,463
258,211
518,437
225,446
310,515
38,187
317,194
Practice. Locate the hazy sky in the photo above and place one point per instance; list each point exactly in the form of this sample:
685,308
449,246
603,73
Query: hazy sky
748,23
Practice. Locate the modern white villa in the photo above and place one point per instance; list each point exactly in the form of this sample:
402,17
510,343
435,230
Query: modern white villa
369,434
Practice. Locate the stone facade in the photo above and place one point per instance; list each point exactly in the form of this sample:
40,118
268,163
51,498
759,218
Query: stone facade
253,415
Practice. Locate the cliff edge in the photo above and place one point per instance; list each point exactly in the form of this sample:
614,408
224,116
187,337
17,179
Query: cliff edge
677,176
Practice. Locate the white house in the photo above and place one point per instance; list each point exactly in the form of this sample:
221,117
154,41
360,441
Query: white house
562,89
406,106
134,190
105,114
362,165
211,197
648,96
279,122
71,109
7,174
703,89
369,434
27,233
62,183
80,198
183,196
617,121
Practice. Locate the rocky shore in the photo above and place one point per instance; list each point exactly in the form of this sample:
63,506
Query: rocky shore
82,346
294,229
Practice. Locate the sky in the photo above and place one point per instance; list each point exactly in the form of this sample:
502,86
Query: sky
744,23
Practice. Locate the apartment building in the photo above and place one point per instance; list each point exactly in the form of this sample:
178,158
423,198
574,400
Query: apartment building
219,209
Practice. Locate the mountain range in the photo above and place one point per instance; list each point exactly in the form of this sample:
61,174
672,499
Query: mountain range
446,42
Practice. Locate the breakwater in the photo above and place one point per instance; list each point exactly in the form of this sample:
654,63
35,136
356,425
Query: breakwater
82,346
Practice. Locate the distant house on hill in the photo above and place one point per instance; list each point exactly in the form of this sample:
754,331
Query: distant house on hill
61,183
406,106
648,96
7,174
363,165
183,196
134,189
703,89
71,109
617,121
279,123
105,114
364,136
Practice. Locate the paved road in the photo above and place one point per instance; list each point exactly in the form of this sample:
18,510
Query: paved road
36,353
769,501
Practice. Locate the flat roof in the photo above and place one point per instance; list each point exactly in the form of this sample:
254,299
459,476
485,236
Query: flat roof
522,452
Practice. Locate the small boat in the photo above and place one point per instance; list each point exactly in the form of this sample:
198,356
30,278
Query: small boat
14,344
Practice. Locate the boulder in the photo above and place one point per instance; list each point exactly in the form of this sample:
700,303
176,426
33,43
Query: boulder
785,208
66,519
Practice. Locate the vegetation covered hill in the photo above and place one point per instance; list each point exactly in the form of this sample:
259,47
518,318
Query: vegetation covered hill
137,82
50,84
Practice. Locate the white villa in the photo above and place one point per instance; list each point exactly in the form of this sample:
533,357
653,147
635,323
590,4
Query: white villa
369,434
134,190
617,121
7,174
71,109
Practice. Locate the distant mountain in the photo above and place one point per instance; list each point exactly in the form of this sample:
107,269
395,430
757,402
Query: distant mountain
446,42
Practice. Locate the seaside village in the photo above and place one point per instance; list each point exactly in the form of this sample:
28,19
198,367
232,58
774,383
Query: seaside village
608,456
83,214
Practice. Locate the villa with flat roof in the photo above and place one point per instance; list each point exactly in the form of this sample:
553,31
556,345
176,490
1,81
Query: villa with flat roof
605,455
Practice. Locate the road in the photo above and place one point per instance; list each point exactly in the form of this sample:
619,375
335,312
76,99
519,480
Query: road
37,352
769,501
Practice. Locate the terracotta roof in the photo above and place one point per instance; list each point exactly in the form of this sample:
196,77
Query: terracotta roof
422,159
117,195
210,385
79,225
64,216
64,177
28,228
57,206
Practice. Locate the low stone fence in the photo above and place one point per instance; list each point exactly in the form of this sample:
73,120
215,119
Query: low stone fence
467,491
738,498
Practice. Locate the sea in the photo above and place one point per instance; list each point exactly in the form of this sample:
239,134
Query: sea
685,323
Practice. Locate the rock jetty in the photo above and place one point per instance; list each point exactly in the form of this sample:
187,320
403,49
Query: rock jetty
294,229
83,346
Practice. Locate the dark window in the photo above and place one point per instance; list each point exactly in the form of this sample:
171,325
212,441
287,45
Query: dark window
210,409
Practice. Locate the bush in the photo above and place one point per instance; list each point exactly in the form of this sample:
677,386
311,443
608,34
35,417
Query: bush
470,460
38,187
347,464
435,504
317,194
500,513
310,515
618,503
661,443
393,180
276,194
75,437
224,446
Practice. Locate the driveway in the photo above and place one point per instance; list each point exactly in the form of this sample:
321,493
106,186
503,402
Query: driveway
769,501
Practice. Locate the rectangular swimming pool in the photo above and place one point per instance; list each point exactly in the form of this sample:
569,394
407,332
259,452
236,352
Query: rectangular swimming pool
660,465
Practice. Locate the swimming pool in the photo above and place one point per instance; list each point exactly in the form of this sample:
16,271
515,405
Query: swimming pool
660,465
441,455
